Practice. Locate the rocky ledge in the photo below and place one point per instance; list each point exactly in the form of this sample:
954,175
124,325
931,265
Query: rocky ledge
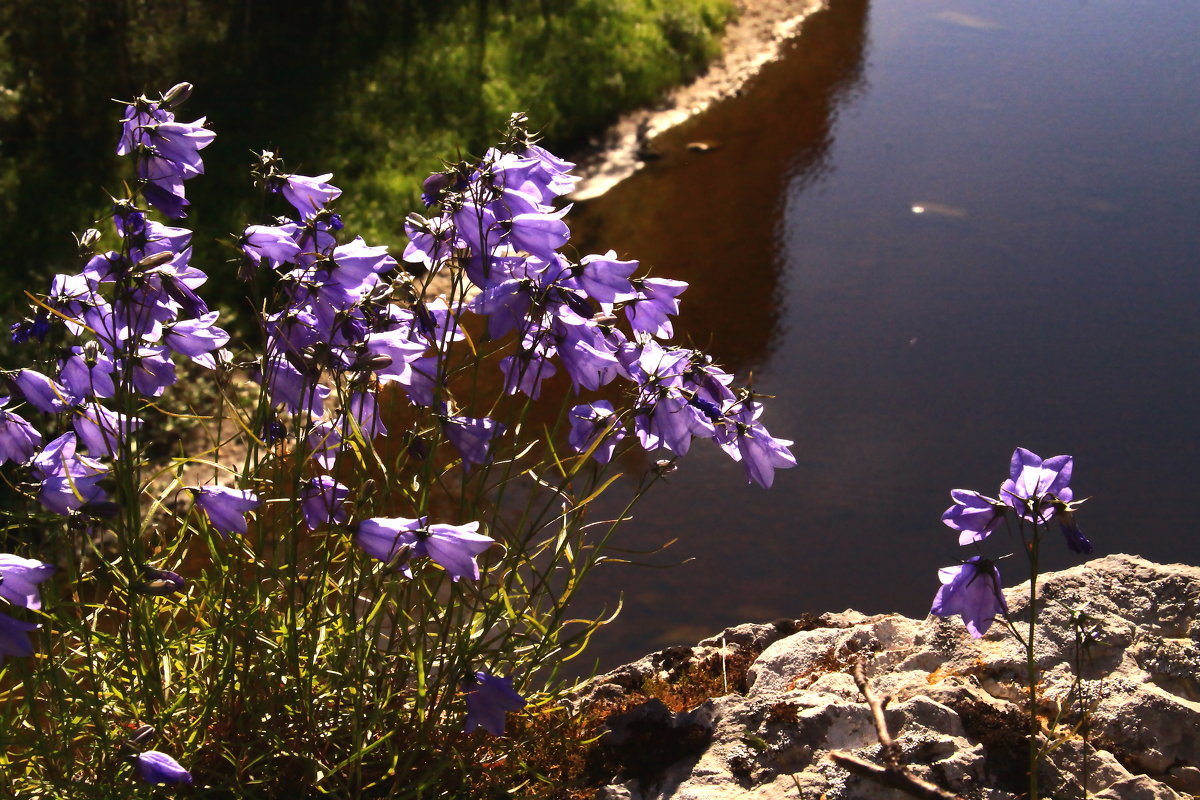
956,705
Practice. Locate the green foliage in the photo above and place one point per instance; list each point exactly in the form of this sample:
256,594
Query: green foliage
379,91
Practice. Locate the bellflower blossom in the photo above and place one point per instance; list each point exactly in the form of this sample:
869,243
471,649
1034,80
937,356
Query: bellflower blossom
18,439
972,590
588,422
19,578
308,195
14,638
1033,484
973,515
324,502
489,698
1038,490
225,508
159,768
452,547
68,481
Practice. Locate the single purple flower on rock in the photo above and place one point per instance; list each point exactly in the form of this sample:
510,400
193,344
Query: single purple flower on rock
972,590
973,515
18,439
324,502
14,638
159,768
19,578
225,508
489,698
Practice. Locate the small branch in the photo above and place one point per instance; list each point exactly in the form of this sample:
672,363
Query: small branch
895,773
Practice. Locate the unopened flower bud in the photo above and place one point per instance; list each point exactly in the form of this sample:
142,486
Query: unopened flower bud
159,582
177,95
87,240
155,260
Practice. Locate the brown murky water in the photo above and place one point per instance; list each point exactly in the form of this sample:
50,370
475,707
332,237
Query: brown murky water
936,230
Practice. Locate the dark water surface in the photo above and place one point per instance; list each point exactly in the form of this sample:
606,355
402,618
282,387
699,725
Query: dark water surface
936,230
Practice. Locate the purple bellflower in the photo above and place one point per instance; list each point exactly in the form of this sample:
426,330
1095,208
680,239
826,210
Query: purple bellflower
489,698
452,547
68,481
14,638
973,515
159,768
309,195
324,502
225,508
18,439
588,422
19,578
1033,484
972,590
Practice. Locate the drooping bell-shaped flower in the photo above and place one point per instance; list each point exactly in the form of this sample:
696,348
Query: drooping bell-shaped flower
452,547
588,422
308,195
18,439
14,638
68,481
225,508
19,578
973,515
973,591
159,768
324,502
489,698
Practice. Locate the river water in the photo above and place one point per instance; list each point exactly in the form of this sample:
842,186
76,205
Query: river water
935,230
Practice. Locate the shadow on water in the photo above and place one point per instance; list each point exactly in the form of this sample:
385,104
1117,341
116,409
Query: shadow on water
709,211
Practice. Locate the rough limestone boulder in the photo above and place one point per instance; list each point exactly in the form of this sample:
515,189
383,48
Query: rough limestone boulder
957,705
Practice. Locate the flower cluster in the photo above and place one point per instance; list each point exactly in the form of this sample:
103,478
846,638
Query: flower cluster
346,329
1036,492
497,222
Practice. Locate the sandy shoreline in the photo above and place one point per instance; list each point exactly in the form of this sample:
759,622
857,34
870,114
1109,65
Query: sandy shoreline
755,38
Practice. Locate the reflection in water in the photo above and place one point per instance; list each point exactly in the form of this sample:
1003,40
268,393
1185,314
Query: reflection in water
998,248
713,218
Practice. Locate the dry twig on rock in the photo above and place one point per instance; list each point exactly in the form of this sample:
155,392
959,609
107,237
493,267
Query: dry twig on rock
895,772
